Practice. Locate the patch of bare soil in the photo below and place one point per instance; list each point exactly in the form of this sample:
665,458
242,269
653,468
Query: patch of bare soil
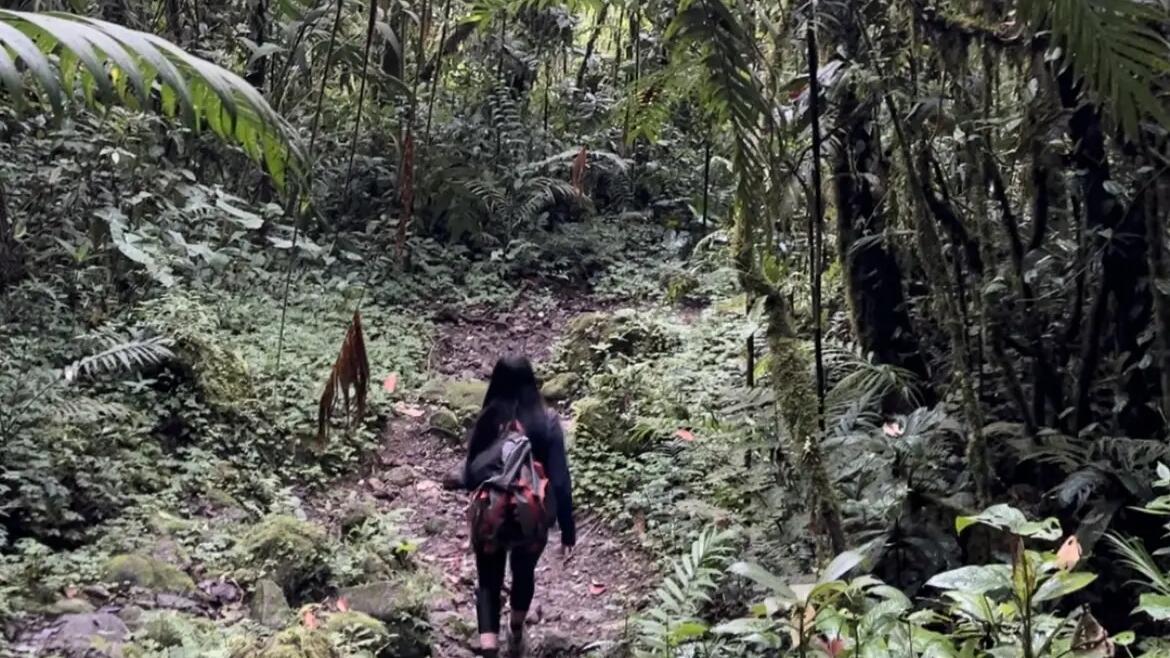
580,605
470,340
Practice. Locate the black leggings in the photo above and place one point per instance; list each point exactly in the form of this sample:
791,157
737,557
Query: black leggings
491,582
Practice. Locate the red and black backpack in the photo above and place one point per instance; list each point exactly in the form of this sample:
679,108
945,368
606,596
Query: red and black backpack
510,508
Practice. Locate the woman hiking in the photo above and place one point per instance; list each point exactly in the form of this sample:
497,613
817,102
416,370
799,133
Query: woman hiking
518,472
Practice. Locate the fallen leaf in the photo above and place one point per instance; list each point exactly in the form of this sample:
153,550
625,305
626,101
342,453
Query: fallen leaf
893,429
596,588
309,619
685,434
343,604
640,523
1069,554
834,647
409,410
803,627
391,382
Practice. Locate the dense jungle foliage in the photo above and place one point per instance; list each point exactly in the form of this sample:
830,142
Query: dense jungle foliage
857,312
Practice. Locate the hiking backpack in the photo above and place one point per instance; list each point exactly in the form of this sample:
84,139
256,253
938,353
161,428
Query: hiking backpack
510,508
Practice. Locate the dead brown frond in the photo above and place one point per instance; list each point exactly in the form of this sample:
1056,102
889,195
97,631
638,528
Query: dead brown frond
577,174
352,369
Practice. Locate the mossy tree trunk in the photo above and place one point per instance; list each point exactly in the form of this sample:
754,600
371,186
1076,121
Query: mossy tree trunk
792,384
873,281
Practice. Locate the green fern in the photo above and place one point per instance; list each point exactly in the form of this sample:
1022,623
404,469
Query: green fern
672,620
730,91
67,56
1115,47
121,356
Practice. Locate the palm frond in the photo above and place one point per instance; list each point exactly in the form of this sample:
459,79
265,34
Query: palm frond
1135,556
1114,45
67,56
350,370
121,357
730,91
857,377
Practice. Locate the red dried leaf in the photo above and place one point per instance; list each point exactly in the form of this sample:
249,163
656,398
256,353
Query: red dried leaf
391,382
309,620
343,604
685,434
893,429
350,370
596,588
577,175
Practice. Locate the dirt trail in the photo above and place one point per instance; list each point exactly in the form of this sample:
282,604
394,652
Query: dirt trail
579,606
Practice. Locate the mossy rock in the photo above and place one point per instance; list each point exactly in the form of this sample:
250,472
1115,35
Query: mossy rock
561,387
355,515
592,339
293,553
600,422
355,631
69,606
447,422
296,642
401,605
147,572
221,374
268,605
462,398
170,629
680,287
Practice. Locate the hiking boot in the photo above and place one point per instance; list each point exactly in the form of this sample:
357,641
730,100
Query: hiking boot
516,642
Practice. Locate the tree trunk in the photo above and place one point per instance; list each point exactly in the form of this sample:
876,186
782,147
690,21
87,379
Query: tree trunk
394,56
590,45
873,278
793,389
258,26
1122,239
11,258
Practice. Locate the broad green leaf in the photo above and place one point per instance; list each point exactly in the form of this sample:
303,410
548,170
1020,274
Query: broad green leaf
743,626
975,579
688,631
1156,606
763,577
1062,584
841,565
1010,519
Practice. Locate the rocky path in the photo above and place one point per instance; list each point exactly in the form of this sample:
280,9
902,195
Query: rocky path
581,606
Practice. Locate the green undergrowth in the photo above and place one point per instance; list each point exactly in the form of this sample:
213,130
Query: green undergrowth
663,417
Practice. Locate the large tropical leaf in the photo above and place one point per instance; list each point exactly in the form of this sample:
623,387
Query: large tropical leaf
74,60
1114,45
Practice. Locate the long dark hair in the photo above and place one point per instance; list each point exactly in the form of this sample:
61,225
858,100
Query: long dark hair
512,395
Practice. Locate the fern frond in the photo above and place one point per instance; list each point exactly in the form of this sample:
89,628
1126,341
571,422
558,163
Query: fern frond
678,599
1115,47
122,357
81,410
730,91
